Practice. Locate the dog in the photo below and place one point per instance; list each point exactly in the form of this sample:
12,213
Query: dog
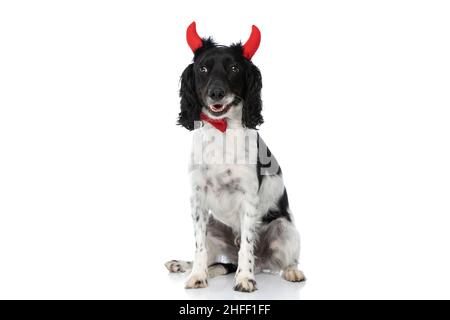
239,204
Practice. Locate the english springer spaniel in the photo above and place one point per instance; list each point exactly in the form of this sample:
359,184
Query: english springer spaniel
239,204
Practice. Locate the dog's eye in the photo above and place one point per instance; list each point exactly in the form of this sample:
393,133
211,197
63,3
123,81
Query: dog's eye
235,68
203,69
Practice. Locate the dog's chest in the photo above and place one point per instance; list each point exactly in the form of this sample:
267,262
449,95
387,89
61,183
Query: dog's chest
224,174
222,189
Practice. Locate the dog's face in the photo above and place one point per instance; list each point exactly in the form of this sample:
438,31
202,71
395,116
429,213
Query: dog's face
219,79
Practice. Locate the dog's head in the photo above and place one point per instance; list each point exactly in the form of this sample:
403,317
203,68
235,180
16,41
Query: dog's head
220,79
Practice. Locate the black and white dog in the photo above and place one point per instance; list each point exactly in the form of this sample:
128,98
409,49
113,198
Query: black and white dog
239,203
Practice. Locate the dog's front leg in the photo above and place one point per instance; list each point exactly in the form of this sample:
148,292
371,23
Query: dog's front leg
198,276
245,278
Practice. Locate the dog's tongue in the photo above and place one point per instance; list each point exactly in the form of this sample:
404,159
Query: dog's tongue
217,107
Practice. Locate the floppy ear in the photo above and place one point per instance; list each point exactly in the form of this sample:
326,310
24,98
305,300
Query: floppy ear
251,112
189,103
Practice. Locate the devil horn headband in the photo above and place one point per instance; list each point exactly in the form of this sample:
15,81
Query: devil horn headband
252,43
193,39
248,49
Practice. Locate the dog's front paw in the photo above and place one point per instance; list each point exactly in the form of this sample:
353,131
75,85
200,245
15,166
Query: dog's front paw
196,281
245,285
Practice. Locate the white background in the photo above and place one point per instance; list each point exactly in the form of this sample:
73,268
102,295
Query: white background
93,171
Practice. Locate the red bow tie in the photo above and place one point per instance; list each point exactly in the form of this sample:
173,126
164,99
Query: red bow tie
219,124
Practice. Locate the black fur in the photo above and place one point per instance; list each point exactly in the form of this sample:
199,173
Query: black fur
189,104
251,113
266,164
245,84
280,212
208,43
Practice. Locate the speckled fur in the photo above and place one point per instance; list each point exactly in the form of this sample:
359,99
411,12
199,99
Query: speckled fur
240,210
228,205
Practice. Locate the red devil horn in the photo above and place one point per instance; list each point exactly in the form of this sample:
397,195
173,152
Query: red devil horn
252,43
193,39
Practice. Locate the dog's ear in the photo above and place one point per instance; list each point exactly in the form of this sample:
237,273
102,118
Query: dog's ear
252,107
189,104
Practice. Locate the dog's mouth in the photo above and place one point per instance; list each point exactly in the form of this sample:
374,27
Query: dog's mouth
218,109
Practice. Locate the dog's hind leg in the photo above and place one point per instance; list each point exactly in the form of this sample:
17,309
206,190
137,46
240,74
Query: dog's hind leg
220,242
214,270
293,274
279,249
220,247
175,266
222,251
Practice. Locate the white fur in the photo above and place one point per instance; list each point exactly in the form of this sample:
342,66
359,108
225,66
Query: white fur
225,184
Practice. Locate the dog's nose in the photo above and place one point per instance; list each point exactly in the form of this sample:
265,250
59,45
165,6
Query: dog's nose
216,93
